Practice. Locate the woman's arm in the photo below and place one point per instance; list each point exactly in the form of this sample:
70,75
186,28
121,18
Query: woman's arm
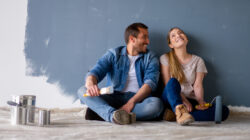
165,74
198,87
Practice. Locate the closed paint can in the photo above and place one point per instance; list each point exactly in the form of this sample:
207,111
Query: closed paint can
31,111
18,115
44,117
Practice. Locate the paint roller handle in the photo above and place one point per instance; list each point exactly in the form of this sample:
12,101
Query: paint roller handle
218,110
203,106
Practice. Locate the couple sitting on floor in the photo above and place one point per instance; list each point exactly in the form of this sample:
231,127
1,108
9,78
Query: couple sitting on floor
134,71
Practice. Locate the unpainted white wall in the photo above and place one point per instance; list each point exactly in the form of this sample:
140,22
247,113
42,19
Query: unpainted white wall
13,80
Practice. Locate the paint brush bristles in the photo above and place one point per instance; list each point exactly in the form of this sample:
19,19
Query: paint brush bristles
105,90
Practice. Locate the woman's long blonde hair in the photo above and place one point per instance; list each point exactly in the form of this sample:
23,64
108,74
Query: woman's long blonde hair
175,67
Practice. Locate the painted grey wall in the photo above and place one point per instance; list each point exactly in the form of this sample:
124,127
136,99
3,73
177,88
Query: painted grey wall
64,38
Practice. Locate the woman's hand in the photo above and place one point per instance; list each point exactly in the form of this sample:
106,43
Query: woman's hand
188,105
202,106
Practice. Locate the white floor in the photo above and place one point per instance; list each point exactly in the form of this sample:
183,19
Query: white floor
68,124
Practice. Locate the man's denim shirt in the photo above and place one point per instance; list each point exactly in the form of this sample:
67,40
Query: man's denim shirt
115,63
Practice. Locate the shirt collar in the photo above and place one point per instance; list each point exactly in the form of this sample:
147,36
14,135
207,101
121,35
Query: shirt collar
124,52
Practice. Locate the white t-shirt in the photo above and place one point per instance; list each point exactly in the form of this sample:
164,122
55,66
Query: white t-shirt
132,83
196,64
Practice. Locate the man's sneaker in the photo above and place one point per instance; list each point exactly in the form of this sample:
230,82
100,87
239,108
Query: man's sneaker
91,115
169,115
182,115
122,117
132,117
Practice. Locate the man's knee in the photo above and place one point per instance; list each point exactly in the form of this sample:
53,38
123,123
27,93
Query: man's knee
81,91
154,105
83,99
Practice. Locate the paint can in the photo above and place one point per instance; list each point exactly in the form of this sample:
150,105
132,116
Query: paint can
44,117
28,102
31,111
18,115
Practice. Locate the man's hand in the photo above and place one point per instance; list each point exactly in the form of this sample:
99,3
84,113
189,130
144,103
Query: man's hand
142,93
93,90
91,85
128,107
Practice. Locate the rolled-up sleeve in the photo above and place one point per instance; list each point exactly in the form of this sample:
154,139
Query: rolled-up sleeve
102,67
152,72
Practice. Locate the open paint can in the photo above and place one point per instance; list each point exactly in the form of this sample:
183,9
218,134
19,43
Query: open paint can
28,102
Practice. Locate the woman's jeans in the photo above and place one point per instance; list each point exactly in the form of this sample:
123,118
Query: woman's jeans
105,105
171,97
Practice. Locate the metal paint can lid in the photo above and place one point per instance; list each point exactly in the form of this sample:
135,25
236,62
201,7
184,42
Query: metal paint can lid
24,100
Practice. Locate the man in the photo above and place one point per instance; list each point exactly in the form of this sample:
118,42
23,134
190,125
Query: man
133,71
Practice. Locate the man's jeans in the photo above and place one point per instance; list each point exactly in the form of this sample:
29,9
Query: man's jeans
171,96
105,105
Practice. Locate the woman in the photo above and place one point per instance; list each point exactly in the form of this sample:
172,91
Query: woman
183,75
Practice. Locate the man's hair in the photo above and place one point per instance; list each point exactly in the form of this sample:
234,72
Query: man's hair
133,30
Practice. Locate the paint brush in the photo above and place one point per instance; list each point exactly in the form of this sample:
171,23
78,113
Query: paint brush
105,90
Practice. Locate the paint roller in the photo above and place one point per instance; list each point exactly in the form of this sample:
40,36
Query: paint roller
218,108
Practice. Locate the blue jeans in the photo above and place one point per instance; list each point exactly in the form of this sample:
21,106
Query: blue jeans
171,98
105,105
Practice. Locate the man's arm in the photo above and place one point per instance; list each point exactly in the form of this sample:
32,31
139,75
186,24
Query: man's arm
91,85
150,83
97,73
142,93
152,72
104,65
